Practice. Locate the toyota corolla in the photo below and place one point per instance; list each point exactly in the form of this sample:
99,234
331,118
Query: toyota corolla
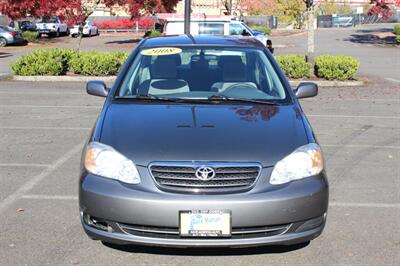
202,142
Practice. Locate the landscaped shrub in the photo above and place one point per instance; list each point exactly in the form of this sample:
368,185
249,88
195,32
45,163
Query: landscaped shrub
97,63
152,33
143,23
294,66
43,62
398,39
396,29
30,36
264,29
336,67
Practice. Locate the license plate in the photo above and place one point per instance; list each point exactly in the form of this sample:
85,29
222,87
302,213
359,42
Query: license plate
205,223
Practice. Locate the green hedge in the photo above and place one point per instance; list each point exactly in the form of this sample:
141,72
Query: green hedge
398,39
396,29
43,62
294,66
30,36
57,62
338,67
97,63
266,30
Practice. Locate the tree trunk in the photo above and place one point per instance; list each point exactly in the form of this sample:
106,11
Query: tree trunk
310,41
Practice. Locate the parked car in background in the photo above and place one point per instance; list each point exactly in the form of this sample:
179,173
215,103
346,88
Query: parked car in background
88,29
24,25
9,36
52,26
218,26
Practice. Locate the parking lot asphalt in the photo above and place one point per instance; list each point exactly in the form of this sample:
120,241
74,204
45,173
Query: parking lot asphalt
42,130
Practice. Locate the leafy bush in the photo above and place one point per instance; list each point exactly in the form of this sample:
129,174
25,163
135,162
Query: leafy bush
336,67
152,33
396,29
43,62
30,36
294,66
97,63
398,39
266,30
143,23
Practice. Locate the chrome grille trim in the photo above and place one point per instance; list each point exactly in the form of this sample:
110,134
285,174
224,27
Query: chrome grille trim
173,232
180,176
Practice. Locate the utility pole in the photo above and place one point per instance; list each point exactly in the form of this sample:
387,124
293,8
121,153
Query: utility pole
310,27
188,6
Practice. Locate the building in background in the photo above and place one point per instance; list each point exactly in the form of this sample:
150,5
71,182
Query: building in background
209,7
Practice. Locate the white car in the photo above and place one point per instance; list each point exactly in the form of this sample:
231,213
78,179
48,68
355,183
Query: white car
52,26
89,29
219,26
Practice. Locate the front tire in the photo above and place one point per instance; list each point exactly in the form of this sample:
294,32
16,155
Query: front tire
3,42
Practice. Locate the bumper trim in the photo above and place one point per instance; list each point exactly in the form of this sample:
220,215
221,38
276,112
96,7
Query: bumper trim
124,239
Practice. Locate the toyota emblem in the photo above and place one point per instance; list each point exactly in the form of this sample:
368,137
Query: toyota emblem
205,173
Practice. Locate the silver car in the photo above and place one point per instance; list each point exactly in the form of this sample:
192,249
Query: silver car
9,36
202,142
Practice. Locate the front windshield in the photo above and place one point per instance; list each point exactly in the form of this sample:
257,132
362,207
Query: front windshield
200,73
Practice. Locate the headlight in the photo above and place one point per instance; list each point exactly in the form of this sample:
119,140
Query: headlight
305,161
103,160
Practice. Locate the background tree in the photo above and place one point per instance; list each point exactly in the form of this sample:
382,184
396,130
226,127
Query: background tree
381,9
291,11
260,7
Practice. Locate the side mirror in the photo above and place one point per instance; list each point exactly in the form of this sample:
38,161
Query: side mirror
97,88
245,33
306,90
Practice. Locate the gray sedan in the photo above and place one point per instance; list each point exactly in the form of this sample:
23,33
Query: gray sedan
202,142
9,36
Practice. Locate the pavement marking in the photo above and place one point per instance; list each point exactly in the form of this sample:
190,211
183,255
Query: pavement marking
361,146
49,197
367,205
331,204
48,128
5,203
392,79
354,116
23,165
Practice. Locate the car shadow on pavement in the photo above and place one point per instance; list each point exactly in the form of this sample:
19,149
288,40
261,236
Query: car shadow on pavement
371,39
4,55
215,251
128,41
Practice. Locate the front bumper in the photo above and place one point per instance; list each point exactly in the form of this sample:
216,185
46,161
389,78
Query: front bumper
295,205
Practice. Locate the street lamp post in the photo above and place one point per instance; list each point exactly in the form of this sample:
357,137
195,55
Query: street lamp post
188,5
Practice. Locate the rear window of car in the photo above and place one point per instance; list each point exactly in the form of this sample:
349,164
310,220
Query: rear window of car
198,73
209,28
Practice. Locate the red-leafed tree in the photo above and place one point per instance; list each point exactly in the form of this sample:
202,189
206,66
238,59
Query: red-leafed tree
381,9
73,10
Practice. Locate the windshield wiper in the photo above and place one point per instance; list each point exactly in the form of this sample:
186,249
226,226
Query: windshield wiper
221,97
151,97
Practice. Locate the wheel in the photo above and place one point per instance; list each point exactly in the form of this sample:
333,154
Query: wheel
58,33
3,42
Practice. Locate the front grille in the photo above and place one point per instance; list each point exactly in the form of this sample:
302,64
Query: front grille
182,176
173,232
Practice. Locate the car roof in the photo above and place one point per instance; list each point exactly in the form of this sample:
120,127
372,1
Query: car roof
203,40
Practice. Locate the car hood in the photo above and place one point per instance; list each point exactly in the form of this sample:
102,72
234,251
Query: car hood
146,133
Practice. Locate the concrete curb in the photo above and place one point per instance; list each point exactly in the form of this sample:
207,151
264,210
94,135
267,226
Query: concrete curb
5,76
63,78
330,83
294,83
